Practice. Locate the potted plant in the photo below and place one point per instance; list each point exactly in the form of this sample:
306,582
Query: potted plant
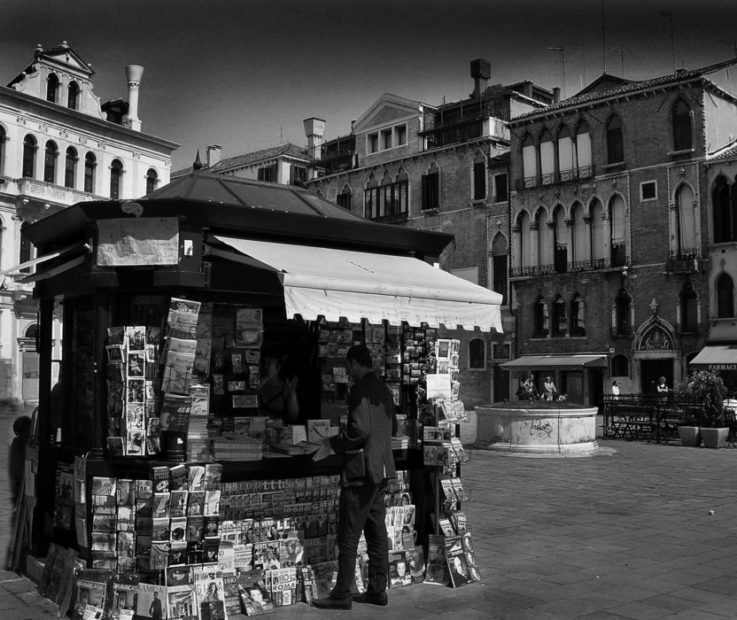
688,429
707,387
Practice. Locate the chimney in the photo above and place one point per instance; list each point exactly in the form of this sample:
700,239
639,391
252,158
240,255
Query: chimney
314,130
133,75
213,154
480,72
556,94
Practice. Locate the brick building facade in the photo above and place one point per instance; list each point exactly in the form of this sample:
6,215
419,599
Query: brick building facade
610,229
441,168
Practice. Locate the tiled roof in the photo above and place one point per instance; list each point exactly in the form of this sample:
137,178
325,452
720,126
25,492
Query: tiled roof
238,161
631,87
728,153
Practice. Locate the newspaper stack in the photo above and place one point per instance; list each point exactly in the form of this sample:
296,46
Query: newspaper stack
236,449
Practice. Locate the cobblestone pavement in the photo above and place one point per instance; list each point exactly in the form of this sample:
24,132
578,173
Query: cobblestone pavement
638,531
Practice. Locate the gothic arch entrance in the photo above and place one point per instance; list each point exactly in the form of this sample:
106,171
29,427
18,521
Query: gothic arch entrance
655,353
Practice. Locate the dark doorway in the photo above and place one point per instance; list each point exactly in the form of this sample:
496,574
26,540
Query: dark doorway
501,384
652,370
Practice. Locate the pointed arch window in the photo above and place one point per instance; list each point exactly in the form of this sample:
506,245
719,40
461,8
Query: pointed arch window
50,156
614,140
499,266
70,167
29,156
523,245
90,163
116,176
541,319
547,157
152,180
617,241
685,221
583,149
529,161
52,87
73,96
371,198
344,198
596,233
400,193
559,319
688,309
725,296
622,312
579,237
682,133
566,162
724,215
560,240
544,240
578,323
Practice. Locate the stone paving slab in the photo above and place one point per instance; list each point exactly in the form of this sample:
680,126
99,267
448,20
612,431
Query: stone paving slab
627,534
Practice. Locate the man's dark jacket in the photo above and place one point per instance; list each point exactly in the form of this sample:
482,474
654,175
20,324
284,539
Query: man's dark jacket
371,423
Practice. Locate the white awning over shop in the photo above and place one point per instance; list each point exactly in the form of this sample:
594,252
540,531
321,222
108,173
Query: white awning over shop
562,362
716,357
335,283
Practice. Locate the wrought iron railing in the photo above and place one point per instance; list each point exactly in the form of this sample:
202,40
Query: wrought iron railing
650,417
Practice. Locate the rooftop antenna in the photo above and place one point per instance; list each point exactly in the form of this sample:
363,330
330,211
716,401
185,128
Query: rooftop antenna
603,34
669,15
562,51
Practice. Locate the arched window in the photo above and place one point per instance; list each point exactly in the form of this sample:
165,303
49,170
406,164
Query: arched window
116,175
579,237
560,240
499,266
479,177
523,245
387,195
620,366
90,163
344,198
401,193
541,318
596,233
477,354
26,249
617,241
725,297
52,87
566,162
685,221
622,312
560,321
50,161
152,180
70,167
583,149
724,216
614,140
544,240
682,139
29,156
73,96
578,324
688,308
529,161
371,199
547,157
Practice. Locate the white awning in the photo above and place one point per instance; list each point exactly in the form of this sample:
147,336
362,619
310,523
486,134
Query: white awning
334,283
716,357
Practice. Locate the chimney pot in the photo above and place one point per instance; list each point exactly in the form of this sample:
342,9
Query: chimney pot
556,94
133,75
480,72
314,130
213,154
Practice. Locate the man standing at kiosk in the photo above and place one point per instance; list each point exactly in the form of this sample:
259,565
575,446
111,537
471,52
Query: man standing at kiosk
368,463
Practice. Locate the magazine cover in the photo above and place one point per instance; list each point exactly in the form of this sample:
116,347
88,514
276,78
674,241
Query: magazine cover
282,583
399,575
255,596
437,568
123,596
458,569
231,595
210,589
416,562
470,557
182,602
151,601
90,594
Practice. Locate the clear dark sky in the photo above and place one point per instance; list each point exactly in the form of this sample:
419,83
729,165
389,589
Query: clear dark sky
245,73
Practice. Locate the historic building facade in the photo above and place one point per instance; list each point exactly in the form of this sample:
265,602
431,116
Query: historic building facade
441,168
59,145
611,233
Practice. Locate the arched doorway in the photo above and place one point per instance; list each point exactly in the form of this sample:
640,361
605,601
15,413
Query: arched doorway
655,352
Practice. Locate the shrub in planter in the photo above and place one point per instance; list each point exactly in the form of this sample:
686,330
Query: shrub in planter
706,386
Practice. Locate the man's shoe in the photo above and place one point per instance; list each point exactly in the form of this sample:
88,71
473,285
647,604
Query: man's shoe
332,603
373,598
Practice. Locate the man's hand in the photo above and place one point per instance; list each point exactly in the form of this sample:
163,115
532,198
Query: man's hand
325,449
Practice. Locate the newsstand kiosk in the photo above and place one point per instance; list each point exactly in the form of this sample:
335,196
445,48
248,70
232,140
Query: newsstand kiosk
158,474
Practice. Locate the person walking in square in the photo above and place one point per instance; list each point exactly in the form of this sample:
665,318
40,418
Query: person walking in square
368,465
